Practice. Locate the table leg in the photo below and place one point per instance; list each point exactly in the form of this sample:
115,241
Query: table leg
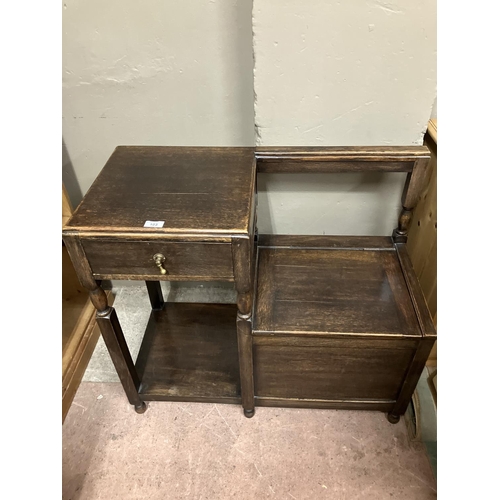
117,346
155,295
243,273
244,329
108,323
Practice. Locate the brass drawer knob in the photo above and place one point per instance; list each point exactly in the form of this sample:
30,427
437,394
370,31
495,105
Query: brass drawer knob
159,260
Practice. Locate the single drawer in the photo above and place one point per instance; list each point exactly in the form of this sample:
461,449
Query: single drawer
119,259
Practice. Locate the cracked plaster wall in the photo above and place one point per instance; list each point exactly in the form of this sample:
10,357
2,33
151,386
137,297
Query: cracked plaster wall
159,72
340,73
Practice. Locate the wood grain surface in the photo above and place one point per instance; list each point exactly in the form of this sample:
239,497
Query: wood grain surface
350,369
422,233
191,189
190,353
318,242
332,291
183,260
338,321
315,159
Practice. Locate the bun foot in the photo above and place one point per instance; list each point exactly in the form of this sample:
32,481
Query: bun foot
393,419
249,413
141,408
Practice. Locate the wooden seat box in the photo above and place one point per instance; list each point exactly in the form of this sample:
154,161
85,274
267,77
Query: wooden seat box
340,321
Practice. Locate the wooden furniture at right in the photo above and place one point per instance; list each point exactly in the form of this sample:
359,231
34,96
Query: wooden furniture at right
340,321
422,234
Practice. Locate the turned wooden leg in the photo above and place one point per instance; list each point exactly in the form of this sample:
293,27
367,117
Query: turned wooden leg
243,263
400,234
115,342
108,323
155,295
413,187
244,328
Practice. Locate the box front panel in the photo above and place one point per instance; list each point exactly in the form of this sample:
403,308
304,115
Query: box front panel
331,369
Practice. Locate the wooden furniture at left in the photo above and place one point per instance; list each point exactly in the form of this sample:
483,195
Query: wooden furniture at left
79,330
173,214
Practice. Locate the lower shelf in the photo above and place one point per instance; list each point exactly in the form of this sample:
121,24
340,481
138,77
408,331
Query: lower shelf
190,353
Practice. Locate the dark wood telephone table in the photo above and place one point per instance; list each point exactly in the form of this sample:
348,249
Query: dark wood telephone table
320,321
178,214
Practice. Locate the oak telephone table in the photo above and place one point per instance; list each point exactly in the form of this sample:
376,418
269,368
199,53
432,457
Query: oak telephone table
320,321
179,214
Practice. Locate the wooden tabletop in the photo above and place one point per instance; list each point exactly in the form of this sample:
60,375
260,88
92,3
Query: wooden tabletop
189,189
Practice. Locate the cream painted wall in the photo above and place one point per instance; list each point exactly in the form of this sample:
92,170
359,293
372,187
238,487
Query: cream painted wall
340,73
434,109
159,72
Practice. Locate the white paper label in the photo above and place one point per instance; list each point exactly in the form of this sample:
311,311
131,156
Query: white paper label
154,223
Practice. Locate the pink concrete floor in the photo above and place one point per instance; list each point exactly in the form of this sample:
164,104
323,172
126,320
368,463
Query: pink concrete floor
207,451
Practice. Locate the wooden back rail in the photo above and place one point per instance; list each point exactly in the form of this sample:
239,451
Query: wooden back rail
411,159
